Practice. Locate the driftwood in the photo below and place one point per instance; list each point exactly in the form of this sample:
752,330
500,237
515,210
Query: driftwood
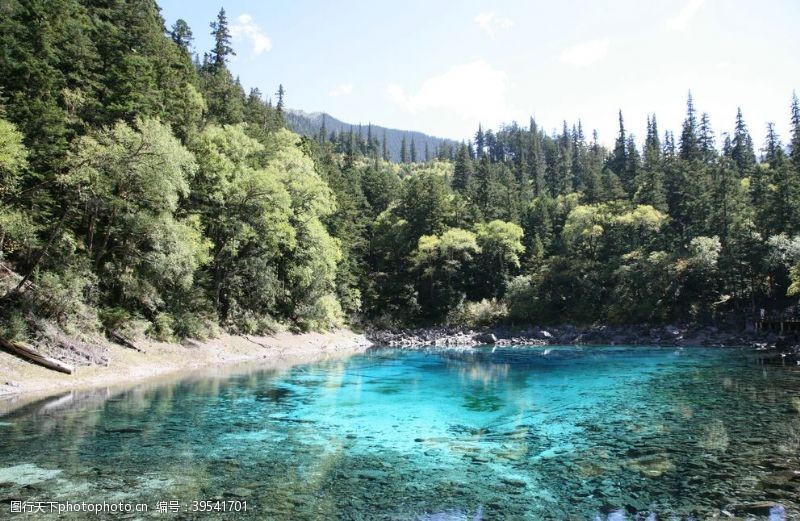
116,337
29,353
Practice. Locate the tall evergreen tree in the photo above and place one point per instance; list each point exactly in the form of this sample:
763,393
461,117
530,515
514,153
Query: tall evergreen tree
403,150
706,145
742,151
537,163
689,142
385,148
280,105
650,181
480,141
619,163
463,170
222,40
181,34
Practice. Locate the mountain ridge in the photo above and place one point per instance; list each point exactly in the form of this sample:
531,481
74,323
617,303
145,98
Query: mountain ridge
309,124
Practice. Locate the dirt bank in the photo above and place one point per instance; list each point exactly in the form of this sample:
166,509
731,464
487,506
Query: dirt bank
21,381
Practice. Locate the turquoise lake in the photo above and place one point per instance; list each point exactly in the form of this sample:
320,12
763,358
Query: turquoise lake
505,433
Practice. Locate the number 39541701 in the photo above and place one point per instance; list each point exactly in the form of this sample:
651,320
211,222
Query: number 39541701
218,506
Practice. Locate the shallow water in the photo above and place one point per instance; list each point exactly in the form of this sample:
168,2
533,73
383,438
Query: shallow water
509,433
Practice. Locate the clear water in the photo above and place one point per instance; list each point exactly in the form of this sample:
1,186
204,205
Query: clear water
510,433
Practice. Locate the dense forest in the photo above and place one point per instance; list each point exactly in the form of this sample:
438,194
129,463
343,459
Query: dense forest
142,189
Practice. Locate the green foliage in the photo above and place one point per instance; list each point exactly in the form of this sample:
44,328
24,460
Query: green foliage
478,314
443,263
129,181
500,246
152,188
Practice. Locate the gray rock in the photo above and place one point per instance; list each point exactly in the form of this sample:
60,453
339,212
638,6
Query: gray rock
487,338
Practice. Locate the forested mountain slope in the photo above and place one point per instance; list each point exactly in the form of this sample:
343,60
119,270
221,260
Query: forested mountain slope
400,144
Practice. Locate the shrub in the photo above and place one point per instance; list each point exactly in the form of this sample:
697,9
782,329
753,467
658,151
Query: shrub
521,299
162,328
13,325
474,314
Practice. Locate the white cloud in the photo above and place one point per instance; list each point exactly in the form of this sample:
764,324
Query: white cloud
342,89
491,24
246,29
585,53
475,92
680,21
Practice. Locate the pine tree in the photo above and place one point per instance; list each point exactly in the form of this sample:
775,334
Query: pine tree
413,150
619,163
279,107
689,146
537,163
742,151
650,182
706,145
794,145
779,212
222,41
463,170
403,150
480,142
181,34
322,135
385,148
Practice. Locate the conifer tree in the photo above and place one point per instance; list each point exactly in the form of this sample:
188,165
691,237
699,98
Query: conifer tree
385,148
480,142
279,106
706,146
742,151
689,146
403,150
322,135
181,34
618,163
222,41
537,161
463,170
650,181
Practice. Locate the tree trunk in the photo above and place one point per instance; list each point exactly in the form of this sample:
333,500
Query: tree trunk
55,234
29,353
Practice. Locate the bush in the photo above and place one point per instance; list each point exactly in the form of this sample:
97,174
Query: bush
162,328
521,299
13,325
62,297
123,322
475,314
192,325
323,314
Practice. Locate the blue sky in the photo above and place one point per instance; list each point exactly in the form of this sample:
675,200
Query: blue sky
443,67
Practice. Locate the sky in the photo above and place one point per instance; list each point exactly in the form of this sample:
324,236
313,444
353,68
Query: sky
444,67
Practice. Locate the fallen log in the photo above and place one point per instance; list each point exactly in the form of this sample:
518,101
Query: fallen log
116,337
29,353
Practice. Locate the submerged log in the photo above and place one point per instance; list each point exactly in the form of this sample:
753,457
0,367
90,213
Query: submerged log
28,352
116,337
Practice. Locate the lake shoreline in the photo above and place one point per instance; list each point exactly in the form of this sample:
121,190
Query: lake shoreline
644,335
22,382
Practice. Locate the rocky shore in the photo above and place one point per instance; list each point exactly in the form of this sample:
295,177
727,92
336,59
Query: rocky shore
670,335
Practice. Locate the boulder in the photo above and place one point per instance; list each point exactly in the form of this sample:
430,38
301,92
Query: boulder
486,338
